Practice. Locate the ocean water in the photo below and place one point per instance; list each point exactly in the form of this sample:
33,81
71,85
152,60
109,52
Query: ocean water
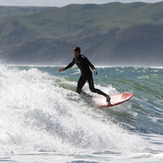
43,119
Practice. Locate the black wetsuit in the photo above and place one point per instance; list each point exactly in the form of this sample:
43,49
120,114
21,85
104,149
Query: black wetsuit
86,75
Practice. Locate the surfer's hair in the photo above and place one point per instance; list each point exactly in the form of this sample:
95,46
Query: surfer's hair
76,48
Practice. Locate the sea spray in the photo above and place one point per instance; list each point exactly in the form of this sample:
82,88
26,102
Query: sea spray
37,113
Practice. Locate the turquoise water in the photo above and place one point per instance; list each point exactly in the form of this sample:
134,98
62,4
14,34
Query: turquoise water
43,118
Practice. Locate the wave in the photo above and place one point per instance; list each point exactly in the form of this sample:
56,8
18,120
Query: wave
42,112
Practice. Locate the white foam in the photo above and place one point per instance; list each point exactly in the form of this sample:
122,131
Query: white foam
36,114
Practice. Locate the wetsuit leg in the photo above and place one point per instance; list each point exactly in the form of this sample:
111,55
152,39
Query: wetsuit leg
80,84
92,88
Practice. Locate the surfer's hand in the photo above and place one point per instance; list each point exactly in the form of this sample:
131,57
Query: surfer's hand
95,71
61,69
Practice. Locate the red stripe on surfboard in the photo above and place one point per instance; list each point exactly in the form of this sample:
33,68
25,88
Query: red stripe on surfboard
125,96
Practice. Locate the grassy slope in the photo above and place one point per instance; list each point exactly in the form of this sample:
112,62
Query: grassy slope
76,19
12,10
105,27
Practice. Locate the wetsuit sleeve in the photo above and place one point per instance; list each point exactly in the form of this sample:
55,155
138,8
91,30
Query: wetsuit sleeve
89,64
70,64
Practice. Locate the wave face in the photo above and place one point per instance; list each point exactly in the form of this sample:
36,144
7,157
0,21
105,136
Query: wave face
40,110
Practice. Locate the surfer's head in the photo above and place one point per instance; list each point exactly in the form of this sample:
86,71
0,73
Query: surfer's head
76,51
76,48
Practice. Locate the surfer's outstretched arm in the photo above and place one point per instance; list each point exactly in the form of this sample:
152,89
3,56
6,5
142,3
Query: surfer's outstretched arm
68,66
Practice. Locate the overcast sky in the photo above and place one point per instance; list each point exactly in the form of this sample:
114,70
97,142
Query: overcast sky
60,3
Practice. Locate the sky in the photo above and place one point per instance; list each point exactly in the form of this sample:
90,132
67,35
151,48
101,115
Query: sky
60,3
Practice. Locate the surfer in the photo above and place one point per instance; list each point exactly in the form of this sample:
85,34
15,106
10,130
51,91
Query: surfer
86,75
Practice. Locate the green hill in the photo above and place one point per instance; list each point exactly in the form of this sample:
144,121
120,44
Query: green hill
114,31
10,11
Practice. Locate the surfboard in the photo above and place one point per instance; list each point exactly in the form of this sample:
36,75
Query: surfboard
115,99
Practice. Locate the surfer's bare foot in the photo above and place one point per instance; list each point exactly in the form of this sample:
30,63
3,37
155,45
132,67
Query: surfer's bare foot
108,99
